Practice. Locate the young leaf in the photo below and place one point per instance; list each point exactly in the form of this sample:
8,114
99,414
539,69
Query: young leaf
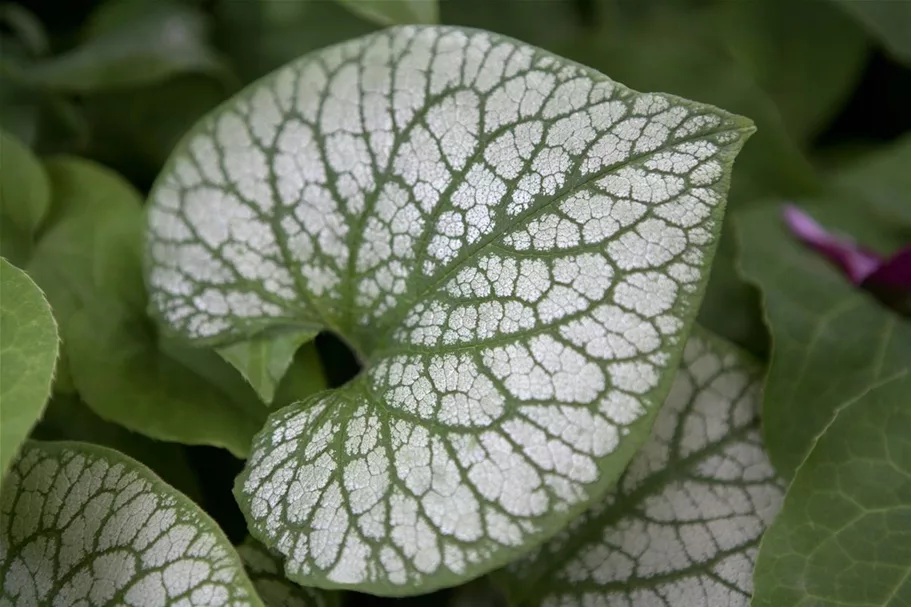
86,525
395,12
513,244
683,525
28,352
843,536
275,590
831,341
132,43
24,198
264,360
888,22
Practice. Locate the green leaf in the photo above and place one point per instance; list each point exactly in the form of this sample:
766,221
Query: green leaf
68,419
395,12
889,22
275,590
880,179
83,524
513,244
89,263
27,355
24,198
265,359
132,43
806,55
843,536
684,522
831,341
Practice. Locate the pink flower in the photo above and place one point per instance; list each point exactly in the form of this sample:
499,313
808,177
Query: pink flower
888,278
862,266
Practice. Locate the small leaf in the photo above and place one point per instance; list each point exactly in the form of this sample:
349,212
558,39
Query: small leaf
27,354
83,524
843,536
395,12
132,43
831,341
514,245
683,525
24,198
264,359
275,590
89,262
889,22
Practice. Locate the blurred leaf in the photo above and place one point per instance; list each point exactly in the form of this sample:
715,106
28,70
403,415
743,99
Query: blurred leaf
89,262
134,130
67,418
889,21
132,43
882,179
275,590
24,198
544,23
831,341
27,357
395,12
806,55
265,359
26,27
843,536
263,35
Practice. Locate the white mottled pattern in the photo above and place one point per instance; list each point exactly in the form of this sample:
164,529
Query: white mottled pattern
514,244
684,523
83,526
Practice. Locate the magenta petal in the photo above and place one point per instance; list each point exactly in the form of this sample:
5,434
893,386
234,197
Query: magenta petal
857,262
894,272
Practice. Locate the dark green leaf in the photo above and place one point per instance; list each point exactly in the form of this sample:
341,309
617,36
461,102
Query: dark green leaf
264,360
831,341
881,179
843,537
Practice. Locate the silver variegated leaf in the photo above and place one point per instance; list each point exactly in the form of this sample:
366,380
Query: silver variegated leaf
683,525
83,525
513,244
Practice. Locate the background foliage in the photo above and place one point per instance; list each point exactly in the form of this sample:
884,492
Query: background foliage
94,94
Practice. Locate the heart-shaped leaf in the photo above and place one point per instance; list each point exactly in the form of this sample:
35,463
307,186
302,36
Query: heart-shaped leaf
275,590
513,244
86,525
28,352
683,525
